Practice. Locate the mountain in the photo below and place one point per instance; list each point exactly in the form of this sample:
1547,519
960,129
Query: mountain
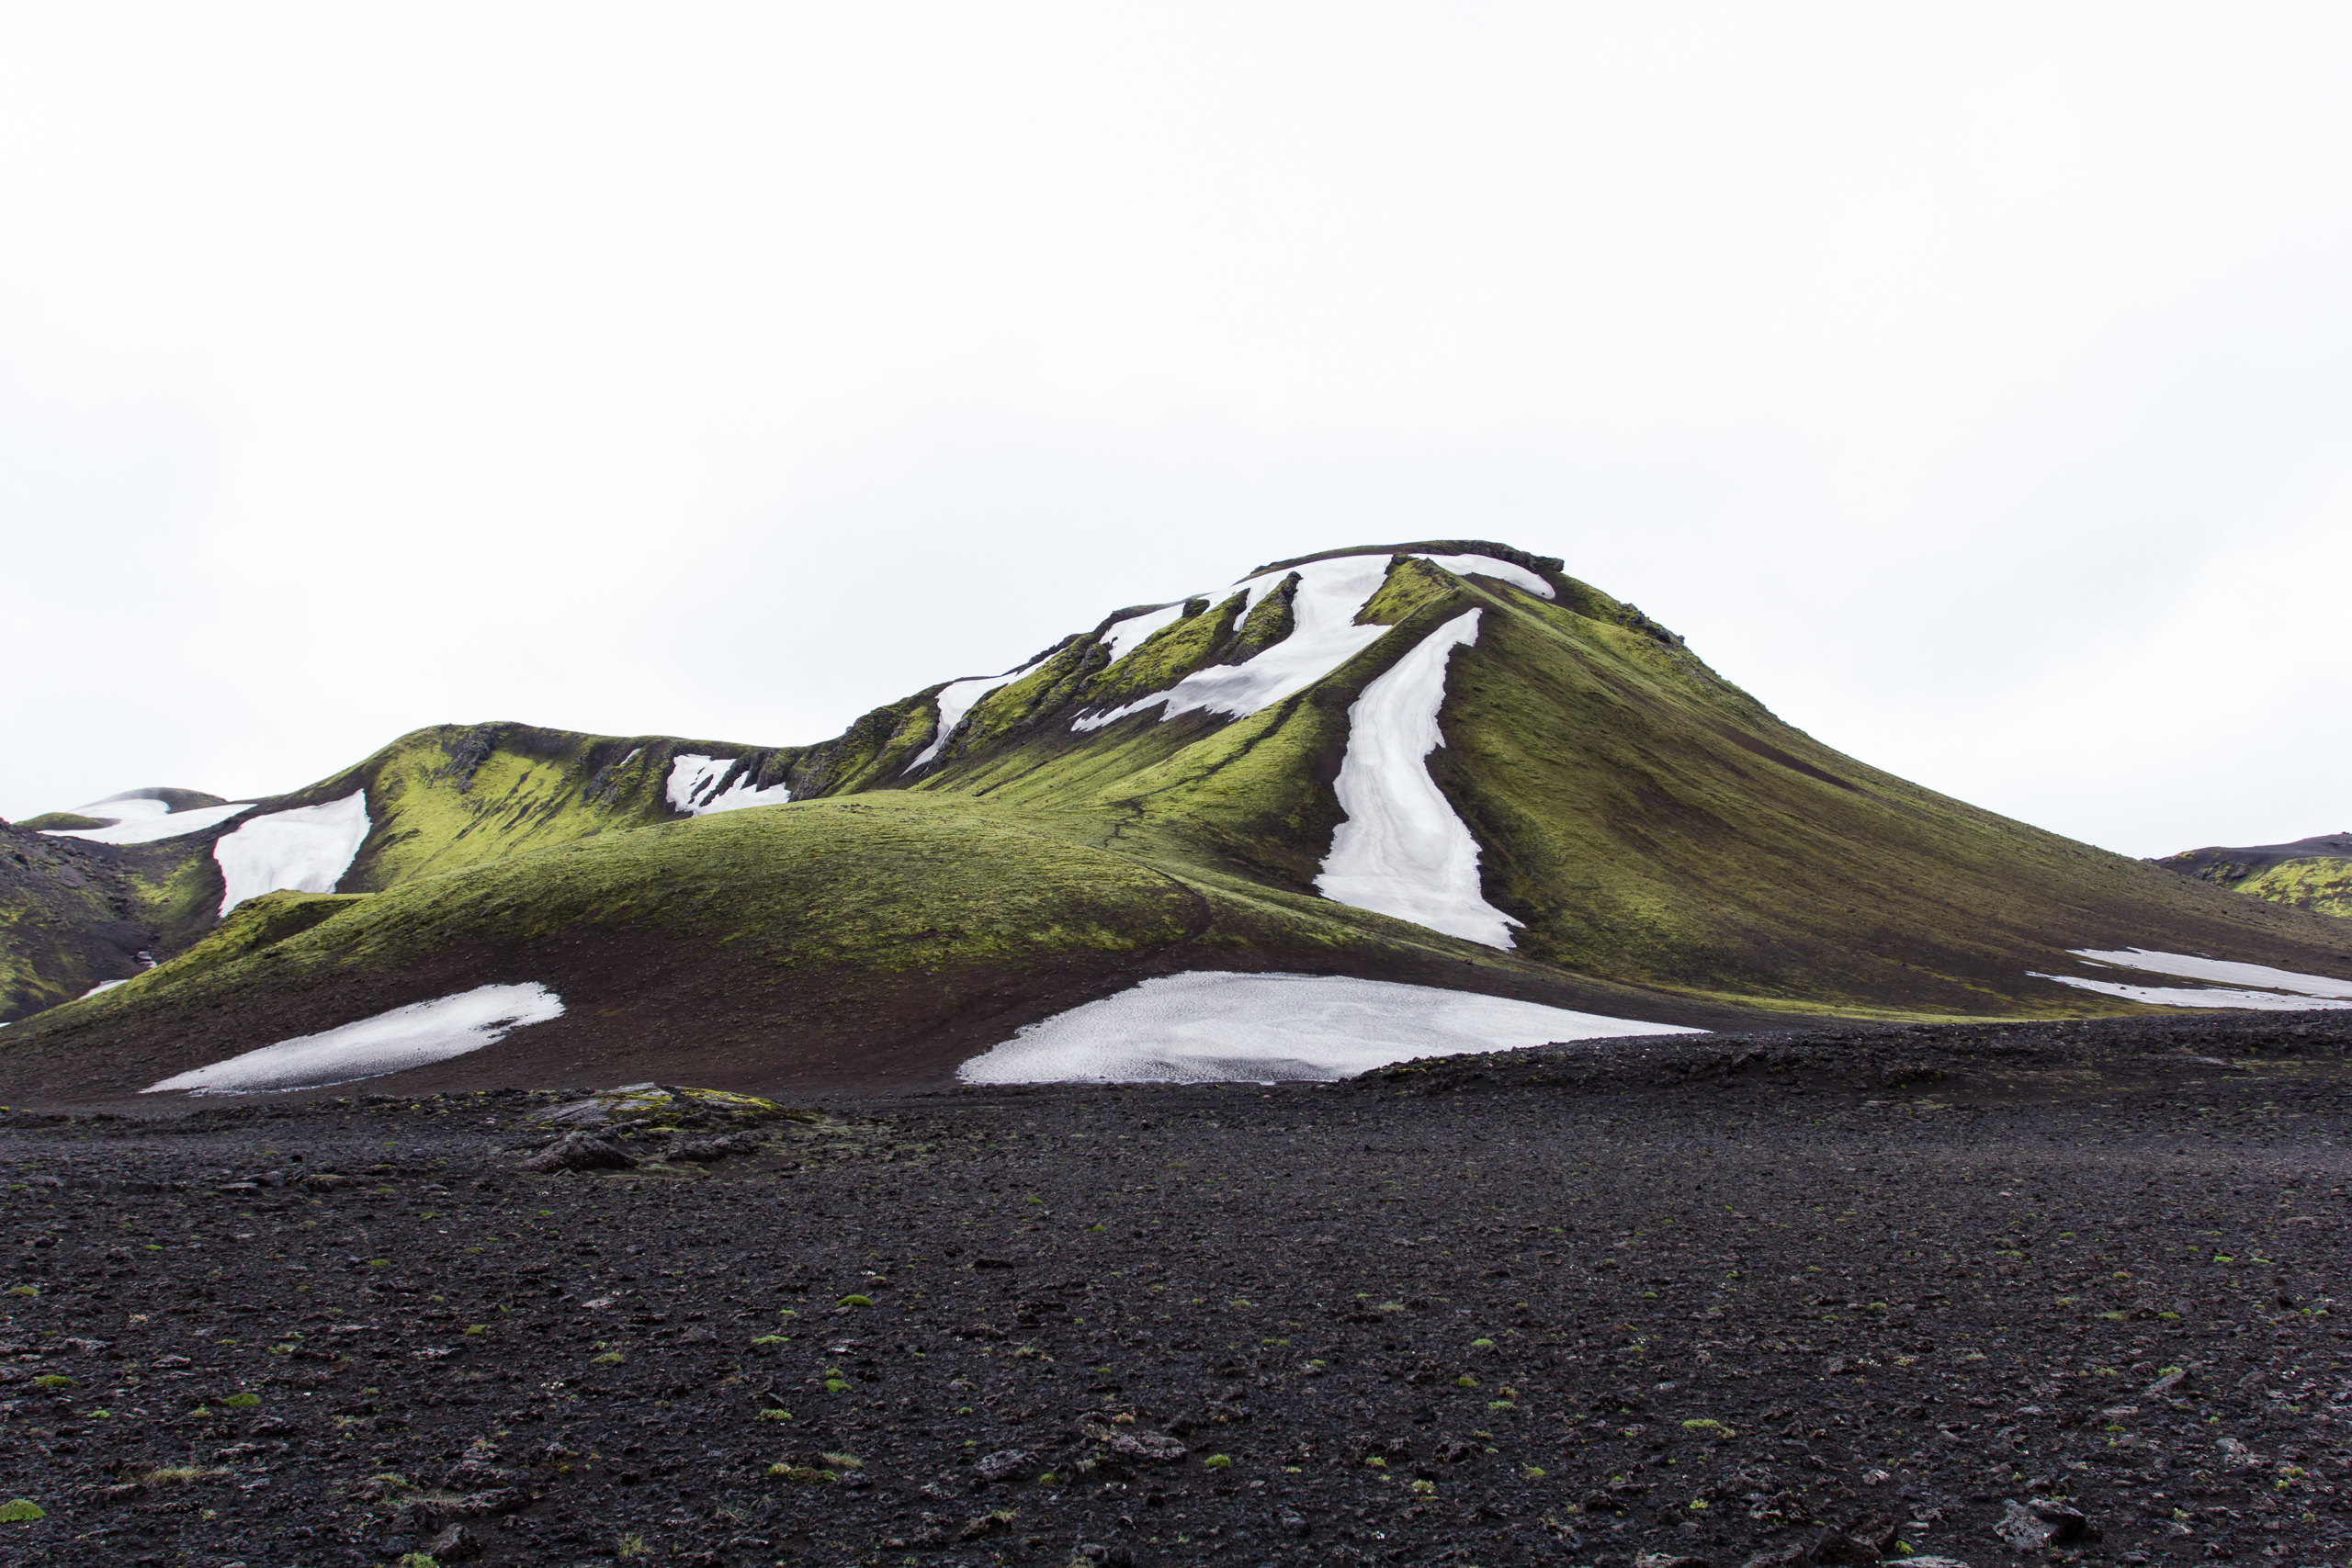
1447,764
2309,874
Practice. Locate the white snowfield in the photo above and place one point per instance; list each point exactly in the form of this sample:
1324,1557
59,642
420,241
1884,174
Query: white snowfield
1211,1027
694,787
413,1036
2284,990
305,849
1324,635
956,699
143,820
1402,851
1124,636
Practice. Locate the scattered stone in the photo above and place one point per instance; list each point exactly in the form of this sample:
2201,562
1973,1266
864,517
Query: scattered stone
1150,1447
580,1151
1838,1546
1669,1560
1001,1466
455,1544
2041,1523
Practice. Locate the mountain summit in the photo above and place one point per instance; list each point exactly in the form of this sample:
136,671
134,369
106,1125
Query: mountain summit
1445,765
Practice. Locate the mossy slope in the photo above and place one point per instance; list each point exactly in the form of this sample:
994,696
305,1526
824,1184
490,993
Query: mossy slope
872,940
1673,849
2313,873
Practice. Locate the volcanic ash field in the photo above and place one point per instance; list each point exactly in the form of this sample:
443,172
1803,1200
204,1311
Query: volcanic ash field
1987,1293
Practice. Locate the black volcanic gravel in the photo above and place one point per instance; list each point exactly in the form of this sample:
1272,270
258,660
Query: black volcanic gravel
1806,1294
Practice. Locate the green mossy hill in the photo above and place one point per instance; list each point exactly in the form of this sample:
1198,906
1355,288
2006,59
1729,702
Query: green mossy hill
2324,886
876,940
67,921
459,796
75,913
1649,823
2313,873
1670,849
63,822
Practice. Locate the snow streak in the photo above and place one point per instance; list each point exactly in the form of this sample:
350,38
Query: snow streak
1402,851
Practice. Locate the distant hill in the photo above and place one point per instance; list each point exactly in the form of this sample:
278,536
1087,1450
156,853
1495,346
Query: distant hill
1446,763
2311,874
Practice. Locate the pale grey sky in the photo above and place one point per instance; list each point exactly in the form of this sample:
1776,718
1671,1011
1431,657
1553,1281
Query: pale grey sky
1972,383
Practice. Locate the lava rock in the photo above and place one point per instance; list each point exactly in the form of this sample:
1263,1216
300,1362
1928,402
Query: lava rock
580,1151
455,1544
1001,1466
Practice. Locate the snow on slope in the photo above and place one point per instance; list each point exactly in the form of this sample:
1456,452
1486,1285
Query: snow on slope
1402,851
305,849
694,787
1124,636
1217,1027
2188,968
956,699
143,820
1324,635
2286,991
413,1036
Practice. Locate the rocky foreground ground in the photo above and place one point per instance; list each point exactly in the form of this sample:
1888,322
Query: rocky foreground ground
2060,1294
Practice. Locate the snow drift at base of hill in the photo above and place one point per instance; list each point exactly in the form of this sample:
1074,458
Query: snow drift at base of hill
2282,990
1214,1027
411,1036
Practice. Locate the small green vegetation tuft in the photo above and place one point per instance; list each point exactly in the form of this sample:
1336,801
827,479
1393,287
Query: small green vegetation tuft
1219,1462
21,1511
53,1381
241,1401
855,1301
773,1415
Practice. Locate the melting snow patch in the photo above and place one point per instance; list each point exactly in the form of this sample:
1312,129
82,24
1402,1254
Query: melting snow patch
2286,991
1324,635
1402,851
1487,566
1212,1027
956,699
143,820
694,786
413,1036
1124,636
305,849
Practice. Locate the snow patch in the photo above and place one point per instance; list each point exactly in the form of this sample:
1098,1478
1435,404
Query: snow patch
1402,851
2286,991
1324,635
2184,967
2182,997
413,1036
143,820
1206,1026
1123,637
1487,566
694,786
956,699
304,850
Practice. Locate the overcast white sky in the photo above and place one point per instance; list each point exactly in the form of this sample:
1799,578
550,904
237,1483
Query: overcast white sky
1972,383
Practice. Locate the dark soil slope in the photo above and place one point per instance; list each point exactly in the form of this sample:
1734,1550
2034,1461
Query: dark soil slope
1971,1291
